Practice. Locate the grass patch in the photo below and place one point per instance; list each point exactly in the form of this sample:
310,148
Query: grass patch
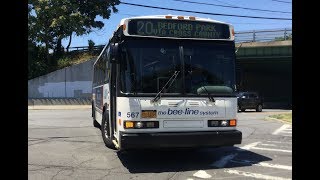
283,117
73,59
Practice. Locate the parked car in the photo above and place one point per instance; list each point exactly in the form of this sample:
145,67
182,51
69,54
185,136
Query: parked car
249,100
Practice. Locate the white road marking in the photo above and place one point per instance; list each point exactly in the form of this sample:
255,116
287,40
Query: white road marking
289,132
280,129
268,144
275,145
277,166
254,175
270,149
202,174
249,146
223,161
263,164
253,146
281,142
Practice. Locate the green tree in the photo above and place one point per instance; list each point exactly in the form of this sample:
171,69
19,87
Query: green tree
36,60
90,45
50,21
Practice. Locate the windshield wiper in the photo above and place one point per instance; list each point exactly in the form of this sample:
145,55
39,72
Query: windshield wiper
172,78
209,95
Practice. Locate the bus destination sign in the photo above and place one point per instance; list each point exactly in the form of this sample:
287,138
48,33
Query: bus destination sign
178,28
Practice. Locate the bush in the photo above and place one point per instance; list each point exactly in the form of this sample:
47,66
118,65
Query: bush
64,62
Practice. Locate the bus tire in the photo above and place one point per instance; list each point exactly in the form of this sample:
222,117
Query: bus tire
92,111
95,122
105,131
259,108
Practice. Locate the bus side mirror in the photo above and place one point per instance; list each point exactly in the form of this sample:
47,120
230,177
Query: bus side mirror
114,53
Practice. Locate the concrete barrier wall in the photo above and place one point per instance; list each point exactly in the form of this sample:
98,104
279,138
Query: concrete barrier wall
59,101
70,82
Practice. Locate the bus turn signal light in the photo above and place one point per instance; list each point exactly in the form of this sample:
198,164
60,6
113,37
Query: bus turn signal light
128,124
232,122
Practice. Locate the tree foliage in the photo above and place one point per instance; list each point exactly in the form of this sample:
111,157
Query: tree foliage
288,37
90,45
50,21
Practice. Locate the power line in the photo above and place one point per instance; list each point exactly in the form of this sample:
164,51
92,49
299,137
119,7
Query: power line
281,1
224,2
206,13
236,7
245,23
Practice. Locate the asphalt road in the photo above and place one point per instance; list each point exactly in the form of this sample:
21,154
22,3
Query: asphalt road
63,144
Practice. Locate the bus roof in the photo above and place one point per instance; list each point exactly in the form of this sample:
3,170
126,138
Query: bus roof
173,17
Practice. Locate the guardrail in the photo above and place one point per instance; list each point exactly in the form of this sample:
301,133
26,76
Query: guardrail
241,36
263,35
86,48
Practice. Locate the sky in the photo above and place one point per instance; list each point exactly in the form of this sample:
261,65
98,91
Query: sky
101,37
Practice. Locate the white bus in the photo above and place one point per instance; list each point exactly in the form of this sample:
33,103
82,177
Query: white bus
167,81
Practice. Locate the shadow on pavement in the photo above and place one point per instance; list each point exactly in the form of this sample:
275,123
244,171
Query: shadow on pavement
171,160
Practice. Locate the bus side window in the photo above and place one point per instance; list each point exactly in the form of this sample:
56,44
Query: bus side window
94,83
106,61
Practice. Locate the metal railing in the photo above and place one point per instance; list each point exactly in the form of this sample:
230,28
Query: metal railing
263,35
86,48
242,36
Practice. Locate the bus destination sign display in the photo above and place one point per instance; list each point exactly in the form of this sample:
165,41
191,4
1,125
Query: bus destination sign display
178,28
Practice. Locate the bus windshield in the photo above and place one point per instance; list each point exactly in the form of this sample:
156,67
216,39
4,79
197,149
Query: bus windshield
147,64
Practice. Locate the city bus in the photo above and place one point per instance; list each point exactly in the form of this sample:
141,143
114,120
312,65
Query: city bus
167,81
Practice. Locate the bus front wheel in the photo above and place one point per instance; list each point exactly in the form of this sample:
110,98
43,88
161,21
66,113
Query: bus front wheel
95,122
105,131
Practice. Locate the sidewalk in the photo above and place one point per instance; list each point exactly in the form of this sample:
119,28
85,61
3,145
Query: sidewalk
52,107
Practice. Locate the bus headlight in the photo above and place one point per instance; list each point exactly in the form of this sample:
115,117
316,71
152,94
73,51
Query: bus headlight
222,123
213,123
140,124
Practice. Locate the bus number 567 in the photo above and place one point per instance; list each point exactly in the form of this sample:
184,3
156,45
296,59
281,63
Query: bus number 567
132,114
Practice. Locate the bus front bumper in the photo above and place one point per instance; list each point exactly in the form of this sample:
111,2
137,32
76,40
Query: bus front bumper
180,139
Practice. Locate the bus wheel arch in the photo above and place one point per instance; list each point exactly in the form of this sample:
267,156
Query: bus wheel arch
105,130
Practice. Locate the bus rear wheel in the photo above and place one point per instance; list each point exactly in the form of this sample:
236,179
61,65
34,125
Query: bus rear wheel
105,131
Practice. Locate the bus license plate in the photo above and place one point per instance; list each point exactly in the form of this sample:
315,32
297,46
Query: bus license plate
148,114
